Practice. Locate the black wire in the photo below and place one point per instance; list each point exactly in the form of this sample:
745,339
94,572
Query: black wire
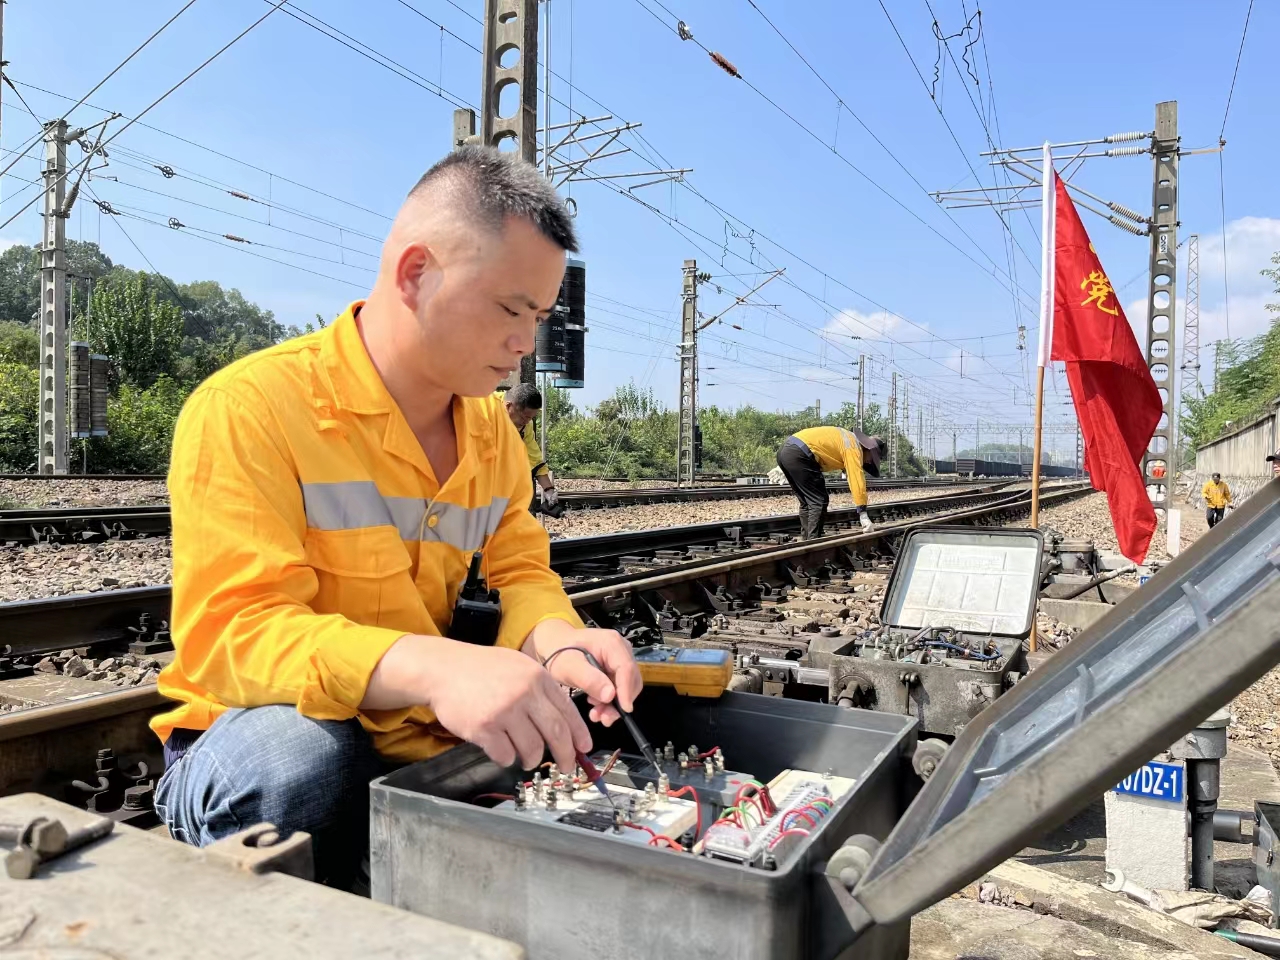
21,99
389,64
996,272
160,99
218,153
1236,72
582,650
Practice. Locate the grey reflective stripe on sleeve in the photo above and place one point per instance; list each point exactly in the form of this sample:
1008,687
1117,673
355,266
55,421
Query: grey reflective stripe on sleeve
357,504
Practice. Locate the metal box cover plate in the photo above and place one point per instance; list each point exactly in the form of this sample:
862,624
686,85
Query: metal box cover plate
978,581
1199,632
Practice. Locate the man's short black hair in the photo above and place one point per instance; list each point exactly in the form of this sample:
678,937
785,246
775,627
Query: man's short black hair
524,396
500,185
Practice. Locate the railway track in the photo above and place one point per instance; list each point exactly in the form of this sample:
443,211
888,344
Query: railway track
94,524
41,747
116,617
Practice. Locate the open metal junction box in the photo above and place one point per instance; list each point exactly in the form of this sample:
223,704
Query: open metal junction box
876,847
956,610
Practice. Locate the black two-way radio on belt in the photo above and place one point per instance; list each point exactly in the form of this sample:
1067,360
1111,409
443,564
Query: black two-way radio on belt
477,613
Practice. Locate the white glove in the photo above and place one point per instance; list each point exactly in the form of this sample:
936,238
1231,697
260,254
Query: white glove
550,496
866,522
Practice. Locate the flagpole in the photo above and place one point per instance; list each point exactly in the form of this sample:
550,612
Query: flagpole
1047,201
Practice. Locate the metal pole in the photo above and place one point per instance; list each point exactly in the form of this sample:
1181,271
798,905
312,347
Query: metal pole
52,450
546,408
862,384
546,99
1161,293
1047,221
893,428
688,374
509,25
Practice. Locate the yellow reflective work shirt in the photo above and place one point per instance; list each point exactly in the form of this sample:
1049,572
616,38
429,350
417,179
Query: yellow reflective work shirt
309,534
1216,495
835,448
529,434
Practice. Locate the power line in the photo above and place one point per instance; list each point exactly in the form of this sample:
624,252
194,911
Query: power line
160,99
842,105
1222,190
995,271
1236,72
369,53
678,225
218,153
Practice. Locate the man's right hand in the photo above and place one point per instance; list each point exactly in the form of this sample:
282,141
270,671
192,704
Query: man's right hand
499,699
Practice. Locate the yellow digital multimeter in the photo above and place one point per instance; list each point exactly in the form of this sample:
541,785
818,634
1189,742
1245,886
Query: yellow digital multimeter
692,672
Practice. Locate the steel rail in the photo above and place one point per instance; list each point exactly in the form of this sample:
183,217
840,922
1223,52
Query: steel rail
94,524
111,617
42,743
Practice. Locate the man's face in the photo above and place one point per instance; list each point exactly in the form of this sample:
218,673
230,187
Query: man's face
520,416
477,310
1217,478
1275,466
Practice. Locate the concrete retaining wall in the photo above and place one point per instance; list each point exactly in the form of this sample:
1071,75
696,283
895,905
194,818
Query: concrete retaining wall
1241,458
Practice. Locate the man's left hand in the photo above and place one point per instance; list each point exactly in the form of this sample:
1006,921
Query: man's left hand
620,677
549,496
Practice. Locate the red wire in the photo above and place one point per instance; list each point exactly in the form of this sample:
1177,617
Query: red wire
493,796
795,832
709,753
668,841
797,814
639,826
697,806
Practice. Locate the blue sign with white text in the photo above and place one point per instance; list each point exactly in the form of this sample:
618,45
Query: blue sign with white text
1159,781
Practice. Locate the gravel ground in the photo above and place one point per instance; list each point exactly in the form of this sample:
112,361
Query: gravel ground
584,523
54,570
80,493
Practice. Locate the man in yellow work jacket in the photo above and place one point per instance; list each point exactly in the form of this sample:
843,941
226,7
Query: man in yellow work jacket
1217,495
522,402
328,495
804,456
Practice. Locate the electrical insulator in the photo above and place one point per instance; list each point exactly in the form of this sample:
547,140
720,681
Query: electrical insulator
1127,151
99,369
1136,230
1126,212
1131,135
78,389
575,326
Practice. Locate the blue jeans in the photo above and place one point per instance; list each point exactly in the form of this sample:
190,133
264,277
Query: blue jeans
273,765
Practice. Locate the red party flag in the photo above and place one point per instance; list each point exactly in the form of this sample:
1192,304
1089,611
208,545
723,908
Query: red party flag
1117,402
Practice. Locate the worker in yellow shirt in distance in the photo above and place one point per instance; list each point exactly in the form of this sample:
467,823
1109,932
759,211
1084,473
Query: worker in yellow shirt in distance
523,403
329,496
804,456
1217,496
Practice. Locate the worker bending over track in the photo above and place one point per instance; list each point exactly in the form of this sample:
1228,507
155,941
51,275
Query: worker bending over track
804,456
523,402
328,497
1217,497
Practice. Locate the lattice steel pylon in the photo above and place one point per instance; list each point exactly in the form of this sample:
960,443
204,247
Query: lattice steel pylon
1189,386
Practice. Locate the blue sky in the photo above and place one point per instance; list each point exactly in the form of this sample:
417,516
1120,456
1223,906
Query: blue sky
289,107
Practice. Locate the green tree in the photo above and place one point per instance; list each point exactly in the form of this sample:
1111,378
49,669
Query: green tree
140,426
19,344
132,325
1248,379
19,397
20,277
